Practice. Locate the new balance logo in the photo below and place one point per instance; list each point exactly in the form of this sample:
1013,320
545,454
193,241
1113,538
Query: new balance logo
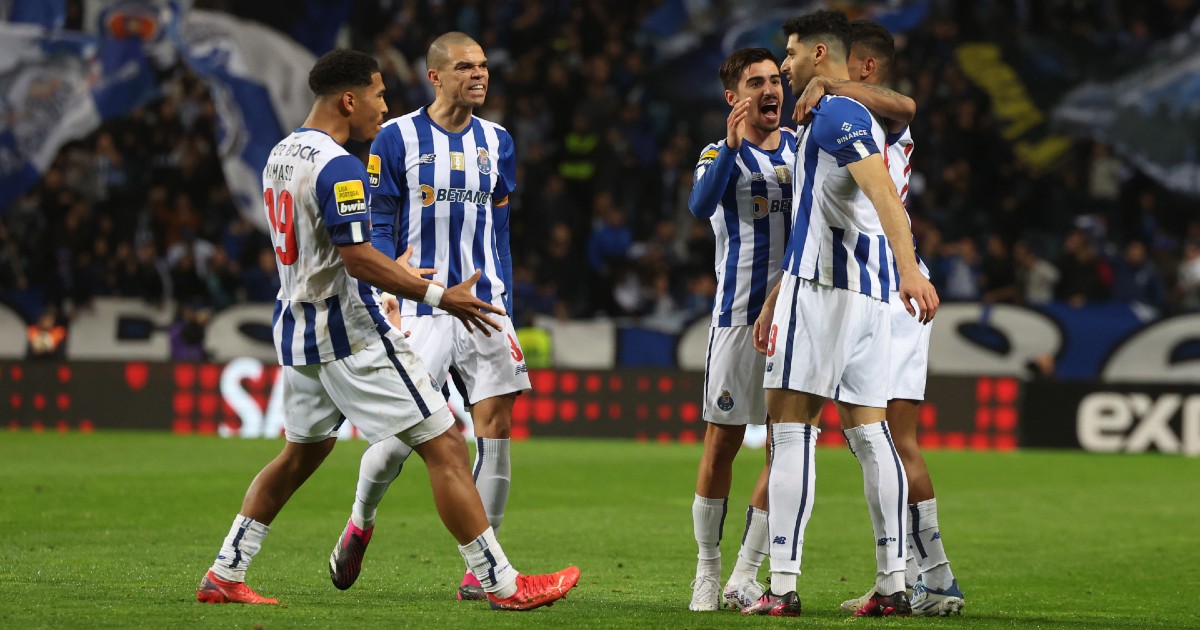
521,369
882,542
427,158
780,540
936,536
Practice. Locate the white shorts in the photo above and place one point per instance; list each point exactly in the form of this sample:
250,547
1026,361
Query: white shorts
383,389
830,342
910,355
489,366
733,384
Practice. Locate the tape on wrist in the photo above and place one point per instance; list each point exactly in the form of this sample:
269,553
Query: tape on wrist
385,296
433,294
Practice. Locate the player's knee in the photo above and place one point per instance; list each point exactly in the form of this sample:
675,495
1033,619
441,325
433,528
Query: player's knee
725,442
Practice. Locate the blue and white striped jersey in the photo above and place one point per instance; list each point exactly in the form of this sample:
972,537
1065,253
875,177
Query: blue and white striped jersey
443,193
898,158
315,197
747,196
837,239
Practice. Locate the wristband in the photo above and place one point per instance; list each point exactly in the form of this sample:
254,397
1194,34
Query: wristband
433,295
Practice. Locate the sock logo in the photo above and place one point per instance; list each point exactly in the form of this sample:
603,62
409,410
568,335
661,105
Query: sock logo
780,540
882,542
936,535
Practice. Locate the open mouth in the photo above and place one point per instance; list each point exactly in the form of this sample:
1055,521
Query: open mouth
769,109
477,89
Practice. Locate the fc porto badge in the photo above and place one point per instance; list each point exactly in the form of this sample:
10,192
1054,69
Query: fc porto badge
484,162
725,401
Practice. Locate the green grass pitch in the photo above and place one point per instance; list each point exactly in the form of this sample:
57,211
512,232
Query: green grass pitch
115,530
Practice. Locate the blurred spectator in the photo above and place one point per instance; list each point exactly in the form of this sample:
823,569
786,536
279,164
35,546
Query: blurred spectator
1080,280
261,281
47,337
1036,277
962,272
1137,279
1188,288
187,334
999,275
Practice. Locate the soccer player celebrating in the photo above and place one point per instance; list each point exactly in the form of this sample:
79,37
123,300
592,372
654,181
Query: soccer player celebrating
830,338
935,591
744,187
440,178
341,358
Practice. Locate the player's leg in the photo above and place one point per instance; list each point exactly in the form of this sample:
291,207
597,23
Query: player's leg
710,504
311,429
790,491
735,380
493,372
743,588
383,460
402,401
936,591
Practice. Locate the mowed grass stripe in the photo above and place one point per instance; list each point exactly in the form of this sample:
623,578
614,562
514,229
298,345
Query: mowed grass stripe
115,530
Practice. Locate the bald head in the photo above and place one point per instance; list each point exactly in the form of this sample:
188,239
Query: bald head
439,56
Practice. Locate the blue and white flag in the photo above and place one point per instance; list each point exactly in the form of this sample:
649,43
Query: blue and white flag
258,79
56,87
51,14
1151,116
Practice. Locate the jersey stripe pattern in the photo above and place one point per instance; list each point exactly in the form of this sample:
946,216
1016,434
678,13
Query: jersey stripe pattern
439,192
315,196
898,157
751,221
837,239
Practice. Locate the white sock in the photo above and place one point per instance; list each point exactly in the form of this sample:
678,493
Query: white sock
793,479
487,561
754,546
708,525
886,488
380,466
926,540
244,540
911,570
493,475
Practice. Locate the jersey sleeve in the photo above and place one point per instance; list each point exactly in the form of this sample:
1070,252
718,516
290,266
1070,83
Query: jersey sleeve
711,179
500,215
341,189
506,180
842,128
385,171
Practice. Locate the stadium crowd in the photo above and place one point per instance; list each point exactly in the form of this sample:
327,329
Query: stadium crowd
600,223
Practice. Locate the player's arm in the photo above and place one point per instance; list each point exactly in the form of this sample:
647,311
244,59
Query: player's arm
341,194
897,109
762,325
872,177
716,165
506,184
385,172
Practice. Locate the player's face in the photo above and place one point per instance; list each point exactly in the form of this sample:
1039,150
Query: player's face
369,109
862,66
761,82
798,65
464,80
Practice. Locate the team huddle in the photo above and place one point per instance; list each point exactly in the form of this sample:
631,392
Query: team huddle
820,297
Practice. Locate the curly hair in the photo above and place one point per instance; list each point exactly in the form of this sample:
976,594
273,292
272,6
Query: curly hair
736,63
341,69
831,28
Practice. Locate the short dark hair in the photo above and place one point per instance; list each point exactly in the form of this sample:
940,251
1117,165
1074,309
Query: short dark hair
341,69
875,39
832,28
735,64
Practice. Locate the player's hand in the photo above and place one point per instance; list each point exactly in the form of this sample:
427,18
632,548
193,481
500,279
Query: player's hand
413,271
460,301
391,311
915,288
735,125
762,329
809,98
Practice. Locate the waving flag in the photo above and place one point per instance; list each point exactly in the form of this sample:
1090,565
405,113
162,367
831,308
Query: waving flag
258,79
56,87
